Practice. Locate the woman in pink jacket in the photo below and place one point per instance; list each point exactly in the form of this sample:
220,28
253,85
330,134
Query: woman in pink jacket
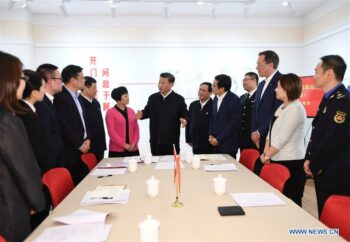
122,126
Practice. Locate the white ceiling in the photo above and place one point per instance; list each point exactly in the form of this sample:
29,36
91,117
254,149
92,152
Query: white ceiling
166,8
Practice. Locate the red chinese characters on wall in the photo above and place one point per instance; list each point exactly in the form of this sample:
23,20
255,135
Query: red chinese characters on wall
104,74
311,96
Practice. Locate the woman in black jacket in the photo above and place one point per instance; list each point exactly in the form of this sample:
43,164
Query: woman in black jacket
20,184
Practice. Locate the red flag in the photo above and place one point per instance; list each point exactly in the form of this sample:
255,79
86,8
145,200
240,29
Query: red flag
177,172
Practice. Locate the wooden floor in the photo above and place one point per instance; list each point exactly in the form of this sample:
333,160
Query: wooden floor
309,199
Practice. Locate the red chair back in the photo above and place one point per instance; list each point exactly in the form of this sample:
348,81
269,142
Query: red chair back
60,184
2,239
249,157
336,214
90,160
276,175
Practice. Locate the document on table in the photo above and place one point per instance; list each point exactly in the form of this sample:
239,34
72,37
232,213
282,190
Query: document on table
82,216
108,171
166,165
170,158
212,157
220,167
77,232
105,197
112,164
257,199
127,159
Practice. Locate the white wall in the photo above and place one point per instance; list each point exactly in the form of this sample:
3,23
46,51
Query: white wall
137,54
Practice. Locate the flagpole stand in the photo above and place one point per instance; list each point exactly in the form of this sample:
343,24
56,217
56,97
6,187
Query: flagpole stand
177,203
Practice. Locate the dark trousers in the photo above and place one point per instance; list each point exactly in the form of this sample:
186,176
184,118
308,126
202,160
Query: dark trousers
294,187
37,218
164,149
78,170
99,155
123,154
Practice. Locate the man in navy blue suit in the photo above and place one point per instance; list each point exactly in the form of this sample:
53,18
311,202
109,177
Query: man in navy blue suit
75,136
225,118
47,116
266,102
93,117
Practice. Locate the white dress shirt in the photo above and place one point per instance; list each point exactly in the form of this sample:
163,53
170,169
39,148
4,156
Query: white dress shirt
203,103
30,105
220,98
288,132
50,97
267,82
164,96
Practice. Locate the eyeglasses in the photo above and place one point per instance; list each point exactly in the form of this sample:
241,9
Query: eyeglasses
24,78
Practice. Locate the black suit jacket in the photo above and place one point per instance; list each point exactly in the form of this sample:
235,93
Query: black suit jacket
50,127
329,145
36,138
224,124
247,106
94,123
164,115
265,106
197,129
71,126
20,181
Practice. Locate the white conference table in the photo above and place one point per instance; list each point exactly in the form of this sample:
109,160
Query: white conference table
198,219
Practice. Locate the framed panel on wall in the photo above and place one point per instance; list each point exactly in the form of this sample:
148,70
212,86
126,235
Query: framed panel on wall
311,96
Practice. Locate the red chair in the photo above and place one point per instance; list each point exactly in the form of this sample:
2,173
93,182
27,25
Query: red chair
276,175
2,239
90,160
60,184
249,157
336,214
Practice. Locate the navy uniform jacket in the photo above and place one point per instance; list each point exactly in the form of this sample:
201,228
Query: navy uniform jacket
224,124
164,115
197,129
246,118
329,146
94,122
50,127
265,106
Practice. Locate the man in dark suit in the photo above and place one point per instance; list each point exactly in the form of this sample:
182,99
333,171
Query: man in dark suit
197,129
327,157
250,83
166,110
71,117
225,118
47,116
266,102
93,117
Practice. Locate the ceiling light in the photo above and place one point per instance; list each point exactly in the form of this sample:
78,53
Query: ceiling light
285,3
200,2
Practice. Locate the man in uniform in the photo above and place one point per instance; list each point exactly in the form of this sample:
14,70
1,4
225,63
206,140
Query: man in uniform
327,157
250,83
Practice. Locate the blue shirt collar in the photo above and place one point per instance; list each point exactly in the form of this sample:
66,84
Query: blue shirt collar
329,93
74,94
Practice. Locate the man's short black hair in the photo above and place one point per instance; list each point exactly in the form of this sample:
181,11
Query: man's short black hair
89,80
46,70
224,81
253,75
271,57
210,89
336,63
70,71
169,76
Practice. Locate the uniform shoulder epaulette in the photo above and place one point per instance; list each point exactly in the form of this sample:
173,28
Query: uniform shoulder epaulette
339,95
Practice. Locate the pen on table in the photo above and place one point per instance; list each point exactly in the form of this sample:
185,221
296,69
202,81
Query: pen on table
92,198
105,176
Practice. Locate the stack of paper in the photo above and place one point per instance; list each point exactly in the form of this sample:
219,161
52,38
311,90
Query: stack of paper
212,157
257,199
77,232
127,159
107,171
166,165
82,216
106,194
220,167
112,164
